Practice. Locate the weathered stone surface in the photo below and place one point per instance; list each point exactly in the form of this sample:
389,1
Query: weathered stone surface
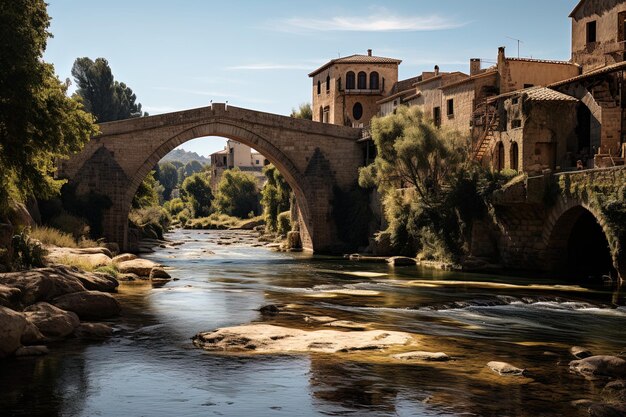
41,284
92,281
19,215
89,304
9,296
423,356
12,326
95,257
32,350
401,261
504,368
605,410
32,335
599,366
264,338
158,272
124,257
141,267
346,324
52,321
94,331
580,352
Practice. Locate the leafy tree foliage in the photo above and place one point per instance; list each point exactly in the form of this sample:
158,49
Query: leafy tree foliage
168,177
275,196
304,112
196,190
148,193
38,122
237,194
102,96
431,192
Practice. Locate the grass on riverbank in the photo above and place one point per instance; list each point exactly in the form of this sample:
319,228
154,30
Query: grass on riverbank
223,221
51,236
85,265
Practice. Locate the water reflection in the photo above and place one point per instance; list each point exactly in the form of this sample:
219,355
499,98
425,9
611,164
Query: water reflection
151,368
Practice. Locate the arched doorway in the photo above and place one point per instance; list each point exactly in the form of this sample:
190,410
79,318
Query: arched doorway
579,247
499,157
514,156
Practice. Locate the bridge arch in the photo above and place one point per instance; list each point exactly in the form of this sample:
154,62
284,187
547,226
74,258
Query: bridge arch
316,159
227,130
577,241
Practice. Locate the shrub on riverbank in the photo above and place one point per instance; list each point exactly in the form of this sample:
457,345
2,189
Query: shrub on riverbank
275,197
152,222
51,236
237,194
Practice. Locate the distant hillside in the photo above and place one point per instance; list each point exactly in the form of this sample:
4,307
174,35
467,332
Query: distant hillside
185,157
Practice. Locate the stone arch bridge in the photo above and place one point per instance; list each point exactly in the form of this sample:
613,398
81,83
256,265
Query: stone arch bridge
314,158
570,223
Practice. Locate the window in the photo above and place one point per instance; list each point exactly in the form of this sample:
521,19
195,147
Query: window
591,32
374,81
528,85
362,81
499,165
357,111
516,124
319,87
350,81
257,162
437,116
327,83
515,100
326,115
450,107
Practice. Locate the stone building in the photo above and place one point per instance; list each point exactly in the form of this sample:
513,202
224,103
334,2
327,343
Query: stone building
598,33
345,90
237,155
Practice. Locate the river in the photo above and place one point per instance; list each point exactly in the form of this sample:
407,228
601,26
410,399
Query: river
151,368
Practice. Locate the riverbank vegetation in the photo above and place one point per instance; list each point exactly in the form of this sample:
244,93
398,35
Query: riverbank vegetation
431,191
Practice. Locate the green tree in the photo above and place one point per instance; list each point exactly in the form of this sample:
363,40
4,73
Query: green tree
275,196
196,190
237,194
304,112
38,122
168,177
102,96
148,193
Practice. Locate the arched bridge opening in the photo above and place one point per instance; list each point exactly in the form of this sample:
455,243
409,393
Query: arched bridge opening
579,247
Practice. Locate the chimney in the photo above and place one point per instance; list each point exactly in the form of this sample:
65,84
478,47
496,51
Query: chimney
501,56
474,66
436,70
369,52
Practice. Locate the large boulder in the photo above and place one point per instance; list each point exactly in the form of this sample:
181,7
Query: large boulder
124,257
141,267
599,366
89,304
159,272
94,257
12,326
41,284
32,335
19,215
92,281
52,321
94,331
9,296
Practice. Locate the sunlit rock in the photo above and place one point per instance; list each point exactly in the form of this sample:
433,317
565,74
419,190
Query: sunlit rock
503,368
599,366
423,356
89,304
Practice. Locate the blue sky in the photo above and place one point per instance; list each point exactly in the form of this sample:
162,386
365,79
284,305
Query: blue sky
181,54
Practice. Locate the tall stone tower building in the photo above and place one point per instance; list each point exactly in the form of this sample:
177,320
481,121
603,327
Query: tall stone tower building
345,90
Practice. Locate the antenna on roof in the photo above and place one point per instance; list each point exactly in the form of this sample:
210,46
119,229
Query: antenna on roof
518,42
338,54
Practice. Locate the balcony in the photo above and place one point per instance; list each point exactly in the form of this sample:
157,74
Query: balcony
362,91
615,48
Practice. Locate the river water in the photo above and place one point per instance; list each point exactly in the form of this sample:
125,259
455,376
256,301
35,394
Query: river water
151,368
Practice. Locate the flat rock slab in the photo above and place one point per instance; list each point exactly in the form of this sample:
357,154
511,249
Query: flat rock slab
423,356
265,338
95,257
503,368
401,261
12,326
124,257
141,267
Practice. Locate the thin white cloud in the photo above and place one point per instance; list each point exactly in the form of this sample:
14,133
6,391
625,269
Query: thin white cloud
196,92
269,66
372,23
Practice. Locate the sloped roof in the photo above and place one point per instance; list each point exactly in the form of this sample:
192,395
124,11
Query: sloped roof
604,70
486,73
542,61
536,93
580,3
357,59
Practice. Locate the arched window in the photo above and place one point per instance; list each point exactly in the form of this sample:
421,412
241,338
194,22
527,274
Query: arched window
362,81
514,156
350,80
499,162
328,83
357,111
319,87
374,81
321,119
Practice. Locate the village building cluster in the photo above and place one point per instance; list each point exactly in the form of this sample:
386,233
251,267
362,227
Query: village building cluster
522,114
237,155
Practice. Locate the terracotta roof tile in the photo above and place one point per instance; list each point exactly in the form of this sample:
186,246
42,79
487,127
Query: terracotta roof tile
357,59
604,70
